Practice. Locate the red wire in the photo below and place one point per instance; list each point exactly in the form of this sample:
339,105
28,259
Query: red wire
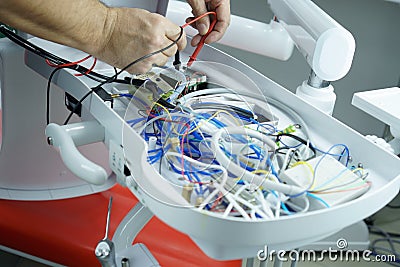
70,64
186,134
217,201
89,70
196,52
199,17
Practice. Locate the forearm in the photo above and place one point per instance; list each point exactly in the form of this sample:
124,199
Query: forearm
116,36
77,23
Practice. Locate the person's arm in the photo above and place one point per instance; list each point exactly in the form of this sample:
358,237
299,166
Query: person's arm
221,7
117,36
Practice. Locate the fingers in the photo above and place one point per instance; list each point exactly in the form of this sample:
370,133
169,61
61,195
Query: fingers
172,35
199,8
195,40
222,8
149,36
160,42
146,65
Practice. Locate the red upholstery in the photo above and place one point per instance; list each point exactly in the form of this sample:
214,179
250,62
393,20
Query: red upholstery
67,231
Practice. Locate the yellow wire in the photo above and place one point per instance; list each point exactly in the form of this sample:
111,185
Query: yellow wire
169,115
309,167
345,175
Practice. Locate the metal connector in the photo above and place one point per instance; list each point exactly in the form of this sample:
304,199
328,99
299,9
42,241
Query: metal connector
317,82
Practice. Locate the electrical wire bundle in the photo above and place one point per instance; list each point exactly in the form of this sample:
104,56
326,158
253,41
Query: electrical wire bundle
213,145
223,160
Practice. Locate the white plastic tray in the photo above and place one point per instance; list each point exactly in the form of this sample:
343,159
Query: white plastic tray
233,238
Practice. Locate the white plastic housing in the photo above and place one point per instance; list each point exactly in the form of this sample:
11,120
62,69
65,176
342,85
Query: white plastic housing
269,40
67,137
321,98
383,104
327,46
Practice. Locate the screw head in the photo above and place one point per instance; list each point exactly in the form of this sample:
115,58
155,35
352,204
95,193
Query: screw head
50,141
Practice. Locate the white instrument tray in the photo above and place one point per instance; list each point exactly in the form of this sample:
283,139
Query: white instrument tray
229,238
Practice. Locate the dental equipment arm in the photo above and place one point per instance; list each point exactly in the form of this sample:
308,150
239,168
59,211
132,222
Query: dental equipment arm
325,44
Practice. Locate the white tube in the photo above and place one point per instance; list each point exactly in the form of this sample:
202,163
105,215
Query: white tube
269,40
152,143
239,171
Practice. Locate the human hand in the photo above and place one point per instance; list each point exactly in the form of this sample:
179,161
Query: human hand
131,33
221,7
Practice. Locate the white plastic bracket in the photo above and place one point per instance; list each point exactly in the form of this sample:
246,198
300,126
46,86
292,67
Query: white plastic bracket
67,137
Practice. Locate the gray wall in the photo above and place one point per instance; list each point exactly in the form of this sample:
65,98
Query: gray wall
375,25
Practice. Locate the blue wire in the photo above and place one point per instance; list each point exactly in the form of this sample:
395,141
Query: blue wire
274,130
319,161
154,150
284,207
196,177
127,95
345,149
330,180
324,152
319,199
134,121
155,158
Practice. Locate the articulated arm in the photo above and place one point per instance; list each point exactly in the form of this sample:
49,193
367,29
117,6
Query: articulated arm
326,45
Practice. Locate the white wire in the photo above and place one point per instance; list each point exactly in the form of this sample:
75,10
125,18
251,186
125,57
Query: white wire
264,204
298,208
239,171
231,200
230,205
271,101
278,205
220,188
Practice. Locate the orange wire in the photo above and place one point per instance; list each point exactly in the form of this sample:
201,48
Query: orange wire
344,190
